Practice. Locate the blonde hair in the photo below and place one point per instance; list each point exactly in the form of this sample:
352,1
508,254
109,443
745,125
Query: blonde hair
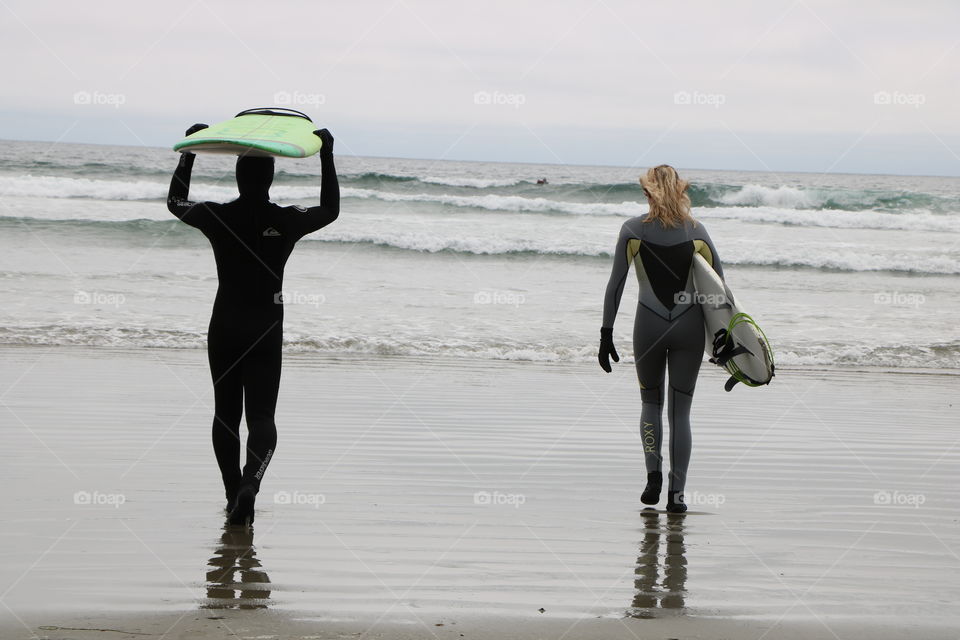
667,195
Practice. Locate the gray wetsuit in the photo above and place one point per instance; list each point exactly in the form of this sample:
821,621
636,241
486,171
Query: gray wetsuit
668,331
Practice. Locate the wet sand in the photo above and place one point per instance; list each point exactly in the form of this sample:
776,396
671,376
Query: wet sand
408,493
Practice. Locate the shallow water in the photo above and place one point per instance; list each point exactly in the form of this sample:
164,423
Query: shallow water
475,260
408,489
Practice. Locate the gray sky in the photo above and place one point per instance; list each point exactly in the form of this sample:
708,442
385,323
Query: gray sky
802,85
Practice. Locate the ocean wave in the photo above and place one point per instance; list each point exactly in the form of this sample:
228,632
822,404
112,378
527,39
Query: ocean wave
564,243
824,258
627,200
376,178
61,187
65,187
942,355
372,177
502,194
493,202
919,220
751,203
916,220
702,195
711,195
782,196
474,183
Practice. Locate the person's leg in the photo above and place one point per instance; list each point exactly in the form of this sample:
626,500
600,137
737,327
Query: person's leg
228,409
260,375
261,384
683,359
649,351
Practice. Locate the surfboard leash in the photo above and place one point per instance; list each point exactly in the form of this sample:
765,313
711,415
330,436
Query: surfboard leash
724,351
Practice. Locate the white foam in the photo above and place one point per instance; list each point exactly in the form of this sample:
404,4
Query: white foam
840,258
782,196
477,183
920,356
917,220
579,242
785,213
493,202
62,187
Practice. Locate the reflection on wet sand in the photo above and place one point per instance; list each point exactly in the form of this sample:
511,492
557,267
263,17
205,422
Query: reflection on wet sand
236,555
651,593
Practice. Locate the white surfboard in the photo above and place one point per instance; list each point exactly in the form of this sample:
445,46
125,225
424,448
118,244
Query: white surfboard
734,341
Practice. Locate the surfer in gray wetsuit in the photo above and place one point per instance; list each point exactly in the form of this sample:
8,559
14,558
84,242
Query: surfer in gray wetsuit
668,332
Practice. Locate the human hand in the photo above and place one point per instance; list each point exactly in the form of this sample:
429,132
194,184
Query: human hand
607,350
326,139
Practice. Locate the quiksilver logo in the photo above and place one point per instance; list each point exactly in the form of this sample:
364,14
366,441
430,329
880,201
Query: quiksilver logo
263,467
270,232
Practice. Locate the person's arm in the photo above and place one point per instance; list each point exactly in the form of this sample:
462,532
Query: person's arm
611,301
178,197
618,277
318,217
714,257
716,264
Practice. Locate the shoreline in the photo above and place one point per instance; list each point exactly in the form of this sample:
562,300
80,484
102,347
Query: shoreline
410,492
625,361
268,625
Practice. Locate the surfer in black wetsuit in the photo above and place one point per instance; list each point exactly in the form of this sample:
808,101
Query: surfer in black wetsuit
668,331
252,239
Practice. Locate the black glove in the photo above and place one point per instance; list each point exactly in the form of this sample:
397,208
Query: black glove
327,139
197,127
607,350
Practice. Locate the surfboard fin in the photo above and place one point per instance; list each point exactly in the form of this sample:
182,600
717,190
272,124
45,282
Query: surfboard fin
724,356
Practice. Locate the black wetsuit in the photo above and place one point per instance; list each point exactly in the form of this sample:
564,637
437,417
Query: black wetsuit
252,239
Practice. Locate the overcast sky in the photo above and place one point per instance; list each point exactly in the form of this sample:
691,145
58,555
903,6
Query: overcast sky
803,85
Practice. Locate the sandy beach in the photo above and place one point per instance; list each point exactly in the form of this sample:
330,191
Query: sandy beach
414,497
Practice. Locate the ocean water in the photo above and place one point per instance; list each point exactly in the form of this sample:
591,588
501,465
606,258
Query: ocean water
475,260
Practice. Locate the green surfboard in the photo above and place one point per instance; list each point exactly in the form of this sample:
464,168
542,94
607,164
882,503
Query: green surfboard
257,132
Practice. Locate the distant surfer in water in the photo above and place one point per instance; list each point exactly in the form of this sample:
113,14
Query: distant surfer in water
668,330
251,239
